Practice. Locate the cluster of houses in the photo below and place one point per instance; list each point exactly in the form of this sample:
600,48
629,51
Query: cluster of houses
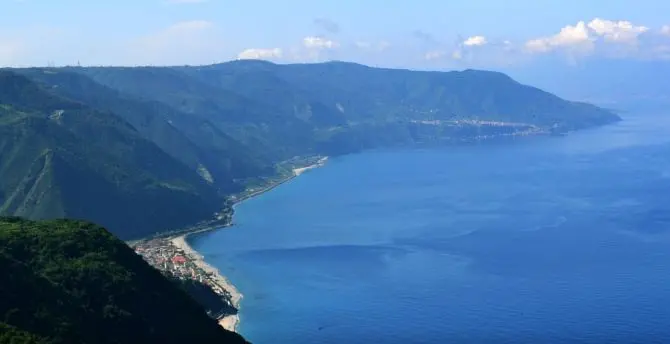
164,256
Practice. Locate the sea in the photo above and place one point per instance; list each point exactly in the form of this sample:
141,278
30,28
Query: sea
561,239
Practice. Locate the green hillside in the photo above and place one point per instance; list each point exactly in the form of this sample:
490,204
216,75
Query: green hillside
148,149
361,93
145,150
73,282
60,158
251,121
192,140
288,110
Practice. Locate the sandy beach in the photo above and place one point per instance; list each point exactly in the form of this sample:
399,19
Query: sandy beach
296,172
228,322
301,170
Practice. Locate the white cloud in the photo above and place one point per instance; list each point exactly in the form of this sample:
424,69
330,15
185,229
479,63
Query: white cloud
540,45
316,42
314,49
250,54
583,36
473,49
665,30
475,41
465,50
617,31
576,36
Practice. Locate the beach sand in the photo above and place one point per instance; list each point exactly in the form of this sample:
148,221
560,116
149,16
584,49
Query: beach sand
228,322
301,170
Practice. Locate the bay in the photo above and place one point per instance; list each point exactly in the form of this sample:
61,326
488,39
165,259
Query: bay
545,239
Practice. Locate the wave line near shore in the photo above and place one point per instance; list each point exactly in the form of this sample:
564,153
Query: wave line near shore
230,322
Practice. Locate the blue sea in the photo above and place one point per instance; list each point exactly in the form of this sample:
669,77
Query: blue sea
534,240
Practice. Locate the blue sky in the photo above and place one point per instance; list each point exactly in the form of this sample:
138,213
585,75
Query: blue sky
421,34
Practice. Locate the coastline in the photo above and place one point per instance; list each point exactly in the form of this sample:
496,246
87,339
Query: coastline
231,322
296,173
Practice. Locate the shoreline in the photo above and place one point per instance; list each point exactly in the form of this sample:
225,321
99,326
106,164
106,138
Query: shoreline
296,173
231,322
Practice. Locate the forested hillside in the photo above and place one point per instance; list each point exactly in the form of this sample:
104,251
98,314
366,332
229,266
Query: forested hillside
60,158
73,282
148,149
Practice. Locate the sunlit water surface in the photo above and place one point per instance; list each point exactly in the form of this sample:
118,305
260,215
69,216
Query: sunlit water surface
550,239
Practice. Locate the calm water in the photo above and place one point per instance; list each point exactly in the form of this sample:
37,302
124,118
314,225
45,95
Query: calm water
557,239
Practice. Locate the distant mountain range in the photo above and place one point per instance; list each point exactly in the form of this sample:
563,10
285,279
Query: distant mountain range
146,149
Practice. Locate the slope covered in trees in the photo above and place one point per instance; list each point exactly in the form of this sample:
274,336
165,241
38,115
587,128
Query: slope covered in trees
73,282
303,108
60,158
145,149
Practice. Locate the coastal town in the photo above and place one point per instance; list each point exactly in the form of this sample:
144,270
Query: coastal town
165,256
174,257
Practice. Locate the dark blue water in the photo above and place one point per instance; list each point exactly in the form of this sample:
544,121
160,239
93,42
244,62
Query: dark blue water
554,239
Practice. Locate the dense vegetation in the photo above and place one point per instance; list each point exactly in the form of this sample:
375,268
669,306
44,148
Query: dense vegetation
143,150
309,108
195,142
215,305
147,149
60,158
73,282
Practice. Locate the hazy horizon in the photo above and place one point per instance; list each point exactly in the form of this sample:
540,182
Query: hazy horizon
427,35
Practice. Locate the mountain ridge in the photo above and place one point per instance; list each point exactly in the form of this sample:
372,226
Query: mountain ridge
68,160
159,139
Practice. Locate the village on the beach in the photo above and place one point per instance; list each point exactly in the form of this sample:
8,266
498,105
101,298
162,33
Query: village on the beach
162,254
174,257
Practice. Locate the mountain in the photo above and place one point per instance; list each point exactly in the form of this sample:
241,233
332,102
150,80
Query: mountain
361,93
60,158
250,121
308,108
147,149
193,141
73,282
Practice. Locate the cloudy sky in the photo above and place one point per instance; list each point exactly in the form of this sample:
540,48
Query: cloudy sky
419,34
